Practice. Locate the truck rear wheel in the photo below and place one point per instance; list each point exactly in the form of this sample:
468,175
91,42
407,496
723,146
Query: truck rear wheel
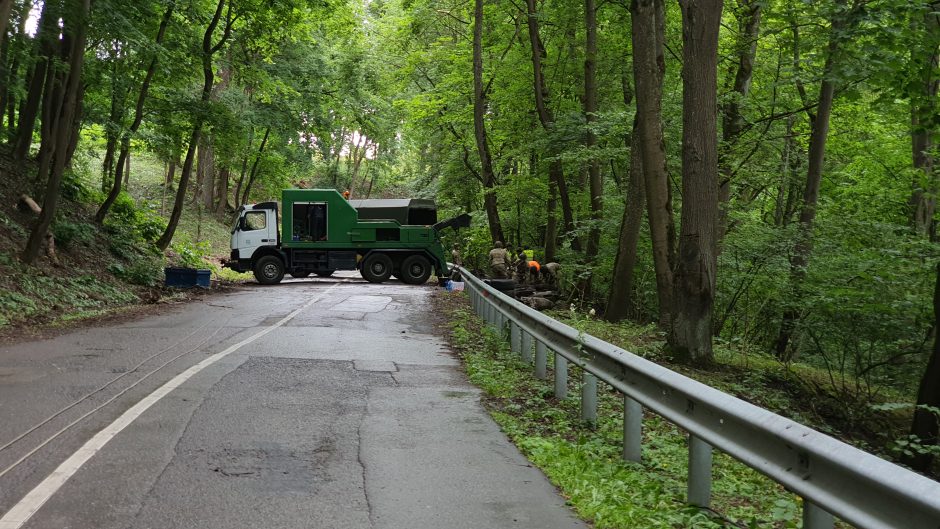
269,270
415,270
377,267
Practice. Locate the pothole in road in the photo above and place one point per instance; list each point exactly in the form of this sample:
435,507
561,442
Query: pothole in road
273,467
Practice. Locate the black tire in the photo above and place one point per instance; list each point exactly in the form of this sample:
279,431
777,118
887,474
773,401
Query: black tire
324,273
299,275
502,285
415,270
377,267
269,270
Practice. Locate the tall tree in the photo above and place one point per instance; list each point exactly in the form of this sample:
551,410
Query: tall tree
61,103
925,125
556,172
843,17
748,14
691,336
45,47
649,66
926,423
479,127
596,183
208,51
5,7
138,117
620,302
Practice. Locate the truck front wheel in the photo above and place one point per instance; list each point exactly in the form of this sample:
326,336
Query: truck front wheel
269,270
377,268
415,270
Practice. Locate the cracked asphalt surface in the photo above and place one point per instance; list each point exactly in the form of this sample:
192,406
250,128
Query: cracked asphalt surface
352,414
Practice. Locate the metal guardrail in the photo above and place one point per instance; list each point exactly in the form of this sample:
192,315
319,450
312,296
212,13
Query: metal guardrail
833,478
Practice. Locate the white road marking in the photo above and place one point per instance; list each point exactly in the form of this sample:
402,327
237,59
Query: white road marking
17,516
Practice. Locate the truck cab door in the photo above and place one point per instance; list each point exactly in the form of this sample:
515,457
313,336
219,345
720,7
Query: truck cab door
256,229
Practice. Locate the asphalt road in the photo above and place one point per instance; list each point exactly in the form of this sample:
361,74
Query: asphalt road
311,404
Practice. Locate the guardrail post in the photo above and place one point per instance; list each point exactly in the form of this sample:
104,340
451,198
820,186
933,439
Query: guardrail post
700,472
632,430
561,376
526,347
588,397
540,360
488,310
514,338
814,517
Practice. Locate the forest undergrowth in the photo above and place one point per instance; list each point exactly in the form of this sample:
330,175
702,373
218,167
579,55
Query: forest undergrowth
100,272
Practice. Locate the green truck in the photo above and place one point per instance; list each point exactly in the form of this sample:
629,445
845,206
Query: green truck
321,232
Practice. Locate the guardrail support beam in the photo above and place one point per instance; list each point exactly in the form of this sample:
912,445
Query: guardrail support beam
540,361
632,430
700,472
814,517
588,398
561,377
526,347
514,338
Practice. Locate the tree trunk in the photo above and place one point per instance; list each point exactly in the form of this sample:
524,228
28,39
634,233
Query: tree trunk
556,172
208,50
138,119
46,38
254,166
596,183
479,127
244,170
551,222
61,129
926,425
205,173
12,75
924,128
817,152
649,66
5,7
170,174
221,191
691,336
620,303
748,15
788,165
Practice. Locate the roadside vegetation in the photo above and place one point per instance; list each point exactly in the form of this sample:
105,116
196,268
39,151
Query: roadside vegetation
584,461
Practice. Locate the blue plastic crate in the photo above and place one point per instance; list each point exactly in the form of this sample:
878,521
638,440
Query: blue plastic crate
186,277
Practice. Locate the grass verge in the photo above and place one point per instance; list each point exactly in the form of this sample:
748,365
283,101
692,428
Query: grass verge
584,462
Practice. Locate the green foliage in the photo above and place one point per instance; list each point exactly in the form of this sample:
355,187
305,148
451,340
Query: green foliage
190,255
144,271
69,233
41,297
586,464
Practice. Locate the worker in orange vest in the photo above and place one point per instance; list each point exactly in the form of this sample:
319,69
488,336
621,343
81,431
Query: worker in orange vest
535,271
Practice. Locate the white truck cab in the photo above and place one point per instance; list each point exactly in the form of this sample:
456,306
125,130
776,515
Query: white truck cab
256,225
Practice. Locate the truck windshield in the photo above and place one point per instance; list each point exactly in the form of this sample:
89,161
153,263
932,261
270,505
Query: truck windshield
238,218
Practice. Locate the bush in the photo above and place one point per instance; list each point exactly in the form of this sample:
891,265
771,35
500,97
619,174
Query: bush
144,271
191,255
68,233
